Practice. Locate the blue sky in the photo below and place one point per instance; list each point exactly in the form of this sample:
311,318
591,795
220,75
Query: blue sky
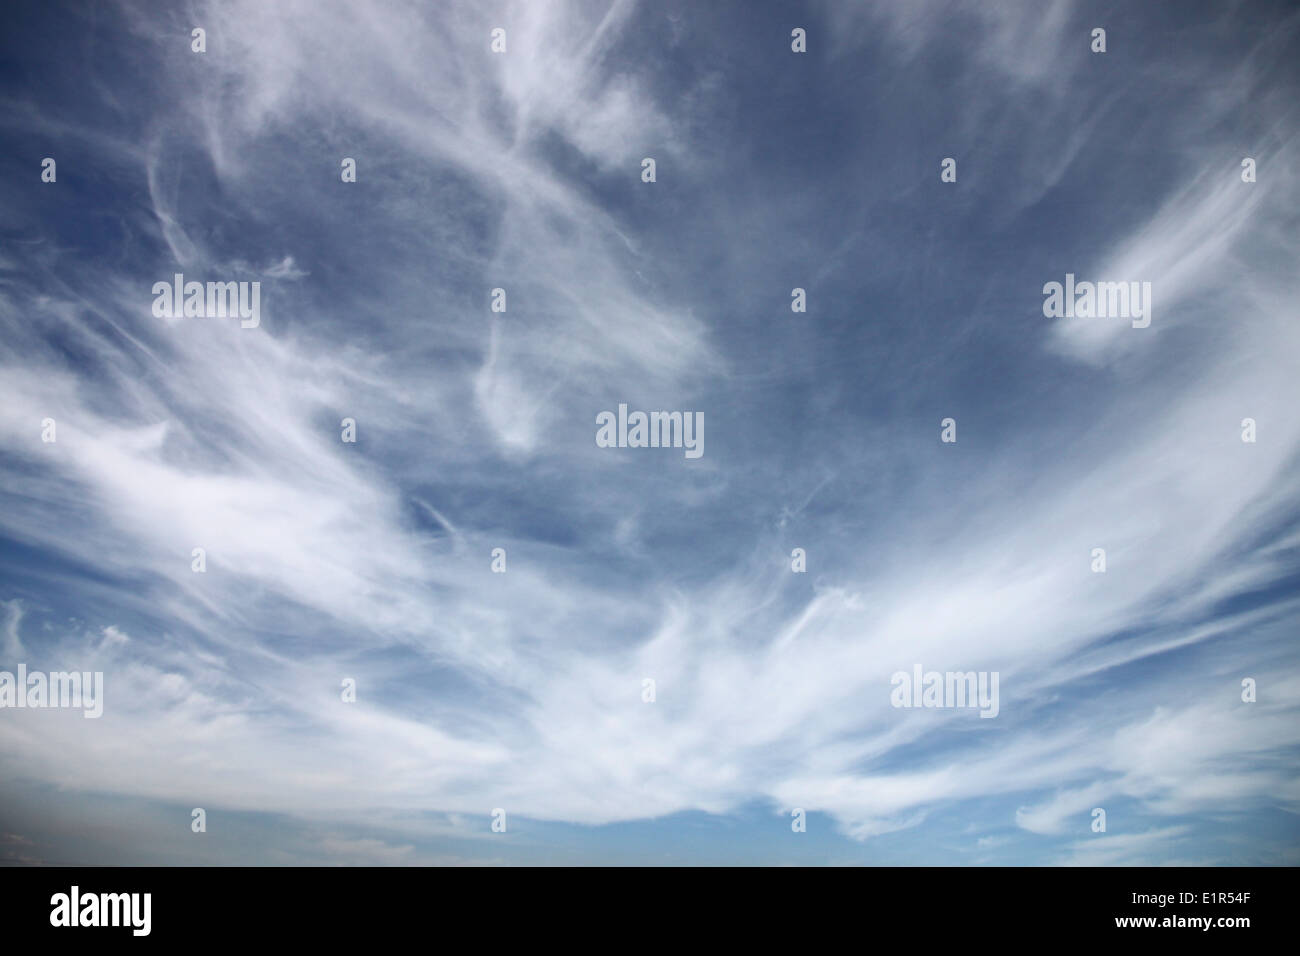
476,430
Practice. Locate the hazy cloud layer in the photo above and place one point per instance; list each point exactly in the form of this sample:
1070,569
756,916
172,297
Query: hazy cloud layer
522,690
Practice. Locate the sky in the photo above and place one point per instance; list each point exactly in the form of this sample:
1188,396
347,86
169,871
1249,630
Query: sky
523,690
